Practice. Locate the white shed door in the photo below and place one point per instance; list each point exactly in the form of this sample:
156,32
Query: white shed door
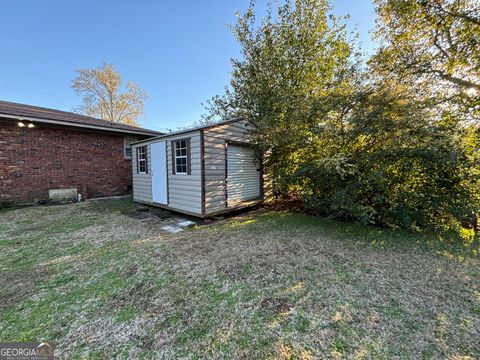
158,161
243,174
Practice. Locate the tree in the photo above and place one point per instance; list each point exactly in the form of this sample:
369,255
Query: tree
291,62
434,45
104,95
395,166
372,146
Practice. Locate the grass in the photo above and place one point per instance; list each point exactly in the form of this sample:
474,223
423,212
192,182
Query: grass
99,284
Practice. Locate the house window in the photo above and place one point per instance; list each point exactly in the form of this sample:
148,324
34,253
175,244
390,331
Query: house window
128,151
181,158
127,146
142,160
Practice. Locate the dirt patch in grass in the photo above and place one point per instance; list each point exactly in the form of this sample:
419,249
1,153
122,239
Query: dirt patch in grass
130,271
232,272
278,305
21,285
142,213
138,296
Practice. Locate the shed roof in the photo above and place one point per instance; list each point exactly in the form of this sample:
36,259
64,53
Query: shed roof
197,128
45,115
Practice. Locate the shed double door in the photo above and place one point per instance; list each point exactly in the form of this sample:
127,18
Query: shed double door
243,174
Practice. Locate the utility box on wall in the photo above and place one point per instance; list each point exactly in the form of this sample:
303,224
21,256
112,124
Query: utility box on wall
63,195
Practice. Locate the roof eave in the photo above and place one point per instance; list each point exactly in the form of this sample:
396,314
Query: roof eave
78,125
186,131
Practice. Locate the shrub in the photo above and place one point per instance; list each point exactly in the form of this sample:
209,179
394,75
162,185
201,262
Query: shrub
4,205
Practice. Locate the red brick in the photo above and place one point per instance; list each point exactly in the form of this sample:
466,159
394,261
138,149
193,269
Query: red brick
32,161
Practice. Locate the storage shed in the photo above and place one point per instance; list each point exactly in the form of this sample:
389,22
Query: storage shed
202,172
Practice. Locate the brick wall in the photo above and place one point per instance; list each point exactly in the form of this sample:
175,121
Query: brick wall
32,161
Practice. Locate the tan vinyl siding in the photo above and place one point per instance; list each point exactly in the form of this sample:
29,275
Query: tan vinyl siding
243,176
142,183
184,191
214,140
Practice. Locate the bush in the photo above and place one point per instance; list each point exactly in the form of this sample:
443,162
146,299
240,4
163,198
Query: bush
429,186
4,205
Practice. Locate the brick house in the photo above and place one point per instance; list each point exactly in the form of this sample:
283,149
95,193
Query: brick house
44,149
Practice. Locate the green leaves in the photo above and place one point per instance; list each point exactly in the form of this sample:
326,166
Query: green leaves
386,146
434,44
290,62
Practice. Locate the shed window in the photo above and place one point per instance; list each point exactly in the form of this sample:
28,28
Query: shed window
182,156
142,160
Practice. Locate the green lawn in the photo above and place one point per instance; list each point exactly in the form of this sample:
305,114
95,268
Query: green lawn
100,284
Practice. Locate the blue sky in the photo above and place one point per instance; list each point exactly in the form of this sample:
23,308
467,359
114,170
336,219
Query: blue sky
178,51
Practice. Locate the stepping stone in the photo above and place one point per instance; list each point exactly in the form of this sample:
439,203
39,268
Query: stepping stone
186,224
171,229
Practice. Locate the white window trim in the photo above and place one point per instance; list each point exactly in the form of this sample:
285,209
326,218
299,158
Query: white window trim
181,157
140,160
125,149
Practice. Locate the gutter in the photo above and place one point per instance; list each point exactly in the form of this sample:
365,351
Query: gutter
77,125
